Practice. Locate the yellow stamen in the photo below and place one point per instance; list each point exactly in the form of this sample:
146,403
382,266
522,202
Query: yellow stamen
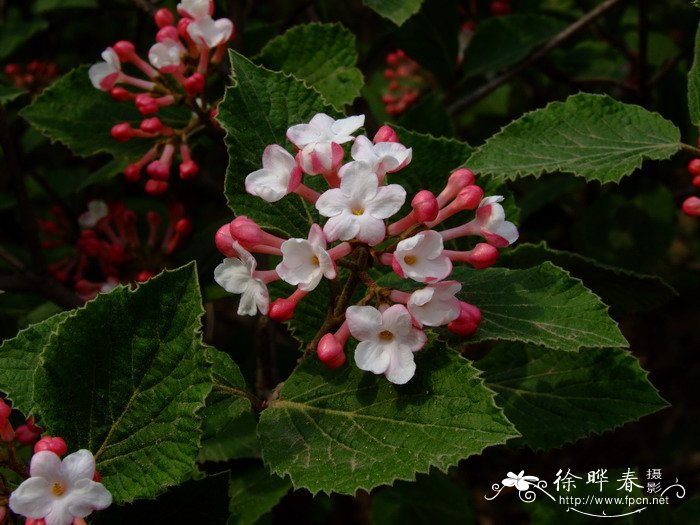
410,259
315,261
357,211
58,489
386,335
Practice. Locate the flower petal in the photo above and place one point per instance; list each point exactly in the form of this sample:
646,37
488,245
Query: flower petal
45,464
402,366
232,275
364,322
387,201
370,230
332,202
344,128
78,465
33,498
269,185
372,357
344,227
87,496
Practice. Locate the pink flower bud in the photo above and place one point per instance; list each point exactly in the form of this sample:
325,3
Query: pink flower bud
188,170
194,84
33,521
52,444
146,104
483,256
696,181
425,206
124,50
467,322
28,433
156,187
158,170
132,173
143,276
122,132
330,351
168,33
164,17
694,167
120,94
385,134
458,179
282,309
500,8
468,198
183,226
224,241
691,206
246,231
5,409
182,25
151,125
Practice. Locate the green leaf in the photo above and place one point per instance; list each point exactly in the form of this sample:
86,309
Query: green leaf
694,83
502,41
15,32
398,11
125,377
256,112
85,127
431,499
19,358
542,305
625,291
323,55
45,6
342,430
434,158
9,93
254,492
105,174
553,397
592,136
228,421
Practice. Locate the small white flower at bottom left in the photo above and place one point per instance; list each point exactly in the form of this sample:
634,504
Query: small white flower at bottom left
387,341
59,491
238,276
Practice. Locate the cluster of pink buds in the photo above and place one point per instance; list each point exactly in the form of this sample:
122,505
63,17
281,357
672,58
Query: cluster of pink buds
33,77
691,205
406,80
109,249
177,69
357,235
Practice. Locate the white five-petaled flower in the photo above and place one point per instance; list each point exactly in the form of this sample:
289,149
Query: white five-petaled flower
435,305
210,32
104,75
305,262
384,157
491,223
59,491
358,208
387,341
237,275
96,211
165,56
196,8
420,257
519,481
322,128
277,177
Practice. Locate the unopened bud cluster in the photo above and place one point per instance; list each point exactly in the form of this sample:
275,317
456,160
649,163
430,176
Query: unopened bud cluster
55,491
176,75
406,80
361,231
109,248
33,77
691,205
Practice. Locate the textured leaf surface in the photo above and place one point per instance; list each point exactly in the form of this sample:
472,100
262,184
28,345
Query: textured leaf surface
694,83
228,421
324,55
398,11
553,398
431,499
591,136
125,377
542,305
19,358
85,127
8,94
254,492
502,41
344,429
256,112
623,290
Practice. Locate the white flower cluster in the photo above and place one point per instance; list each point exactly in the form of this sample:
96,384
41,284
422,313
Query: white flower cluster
357,205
